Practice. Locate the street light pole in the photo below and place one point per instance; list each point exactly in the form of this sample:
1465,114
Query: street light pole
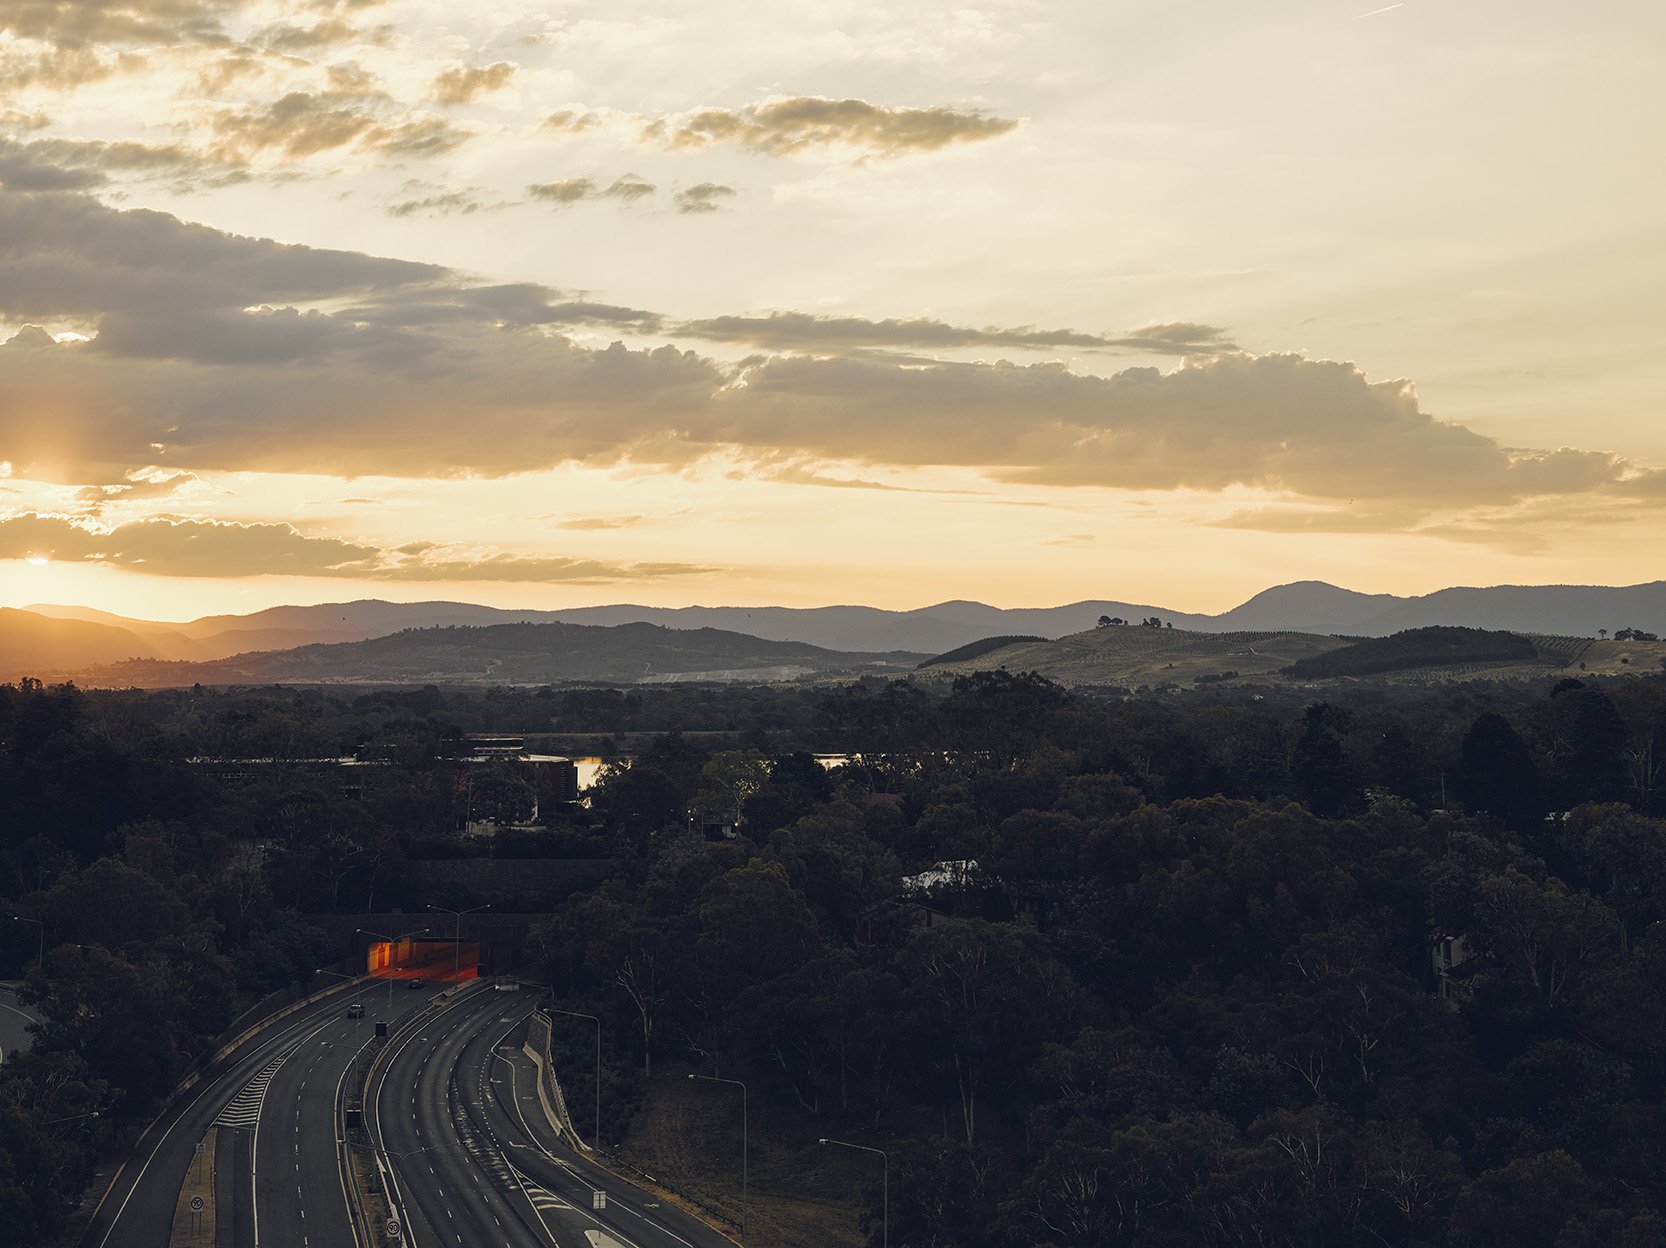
598,1022
324,970
457,930
885,1188
40,955
743,1196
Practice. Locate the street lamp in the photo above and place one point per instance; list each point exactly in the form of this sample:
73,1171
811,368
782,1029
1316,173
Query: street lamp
91,1113
737,1083
885,1189
457,930
575,1014
40,955
324,970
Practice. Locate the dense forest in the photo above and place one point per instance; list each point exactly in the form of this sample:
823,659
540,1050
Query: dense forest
1227,968
1419,648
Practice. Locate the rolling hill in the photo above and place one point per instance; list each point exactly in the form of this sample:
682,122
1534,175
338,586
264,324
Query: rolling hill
32,645
1133,657
508,654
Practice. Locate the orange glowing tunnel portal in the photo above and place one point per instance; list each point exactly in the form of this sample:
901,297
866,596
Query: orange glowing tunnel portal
424,959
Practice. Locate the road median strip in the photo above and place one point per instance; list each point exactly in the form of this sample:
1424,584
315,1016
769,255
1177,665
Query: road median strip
193,1225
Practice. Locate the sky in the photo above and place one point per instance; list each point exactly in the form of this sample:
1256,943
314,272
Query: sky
542,304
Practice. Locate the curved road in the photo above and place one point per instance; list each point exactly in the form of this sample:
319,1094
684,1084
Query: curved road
15,1022
138,1209
476,1162
300,1199
453,1108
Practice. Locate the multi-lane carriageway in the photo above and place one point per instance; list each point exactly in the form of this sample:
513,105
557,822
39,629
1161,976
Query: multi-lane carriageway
452,1114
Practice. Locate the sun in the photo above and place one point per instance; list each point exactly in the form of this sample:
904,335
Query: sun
40,561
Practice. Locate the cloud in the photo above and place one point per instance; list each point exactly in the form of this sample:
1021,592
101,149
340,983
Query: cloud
475,566
326,33
1284,422
66,255
141,483
1176,338
1325,520
519,304
301,124
435,202
802,331
704,197
781,127
462,83
792,124
628,188
83,164
783,469
168,547
60,68
218,352
73,23
569,191
595,524
574,120
171,546
31,338
15,119
21,169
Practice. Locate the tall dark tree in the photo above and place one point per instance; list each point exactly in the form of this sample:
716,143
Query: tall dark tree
1498,775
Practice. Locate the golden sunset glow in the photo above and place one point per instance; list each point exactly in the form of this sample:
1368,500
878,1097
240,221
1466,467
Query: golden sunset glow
559,304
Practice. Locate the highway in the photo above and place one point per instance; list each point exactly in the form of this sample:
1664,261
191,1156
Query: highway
300,1200
474,1159
453,1109
139,1207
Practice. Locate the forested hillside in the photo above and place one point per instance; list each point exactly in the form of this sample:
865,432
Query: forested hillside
1417,647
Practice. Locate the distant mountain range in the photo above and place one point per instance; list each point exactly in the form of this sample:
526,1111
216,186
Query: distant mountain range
58,640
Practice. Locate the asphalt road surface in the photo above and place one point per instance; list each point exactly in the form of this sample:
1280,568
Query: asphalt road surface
300,1200
138,1210
14,1024
474,1160
453,1111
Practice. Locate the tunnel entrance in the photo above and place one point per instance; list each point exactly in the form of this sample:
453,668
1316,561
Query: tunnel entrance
423,958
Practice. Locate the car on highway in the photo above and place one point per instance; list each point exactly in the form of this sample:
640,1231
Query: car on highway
356,1010
415,983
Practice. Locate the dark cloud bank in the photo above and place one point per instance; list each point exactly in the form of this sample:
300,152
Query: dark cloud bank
212,351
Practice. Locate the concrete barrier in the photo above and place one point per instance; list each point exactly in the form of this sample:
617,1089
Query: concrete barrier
550,1093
